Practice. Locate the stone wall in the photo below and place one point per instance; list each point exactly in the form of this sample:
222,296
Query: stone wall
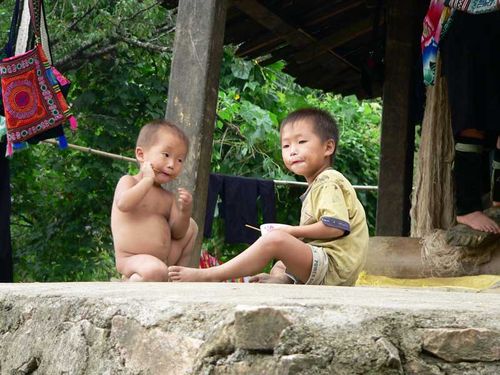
155,328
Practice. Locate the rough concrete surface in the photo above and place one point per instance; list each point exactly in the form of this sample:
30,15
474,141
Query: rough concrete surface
227,328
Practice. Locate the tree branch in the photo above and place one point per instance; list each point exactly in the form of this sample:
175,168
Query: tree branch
78,60
145,45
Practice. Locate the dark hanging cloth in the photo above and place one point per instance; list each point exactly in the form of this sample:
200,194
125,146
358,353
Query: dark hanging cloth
6,272
470,52
241,199
215,184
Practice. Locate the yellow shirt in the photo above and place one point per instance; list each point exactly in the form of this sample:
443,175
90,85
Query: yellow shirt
332,199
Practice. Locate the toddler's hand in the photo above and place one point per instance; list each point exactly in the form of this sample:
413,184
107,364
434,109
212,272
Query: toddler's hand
147,170
184,200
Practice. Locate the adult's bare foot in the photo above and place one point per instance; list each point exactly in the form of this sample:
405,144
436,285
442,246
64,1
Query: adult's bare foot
178,273
479,221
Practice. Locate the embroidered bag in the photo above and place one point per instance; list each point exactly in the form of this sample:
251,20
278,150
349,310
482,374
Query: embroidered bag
32,98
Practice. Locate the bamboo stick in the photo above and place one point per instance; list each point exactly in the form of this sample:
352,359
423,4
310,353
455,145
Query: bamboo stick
252,227
132,160
93,151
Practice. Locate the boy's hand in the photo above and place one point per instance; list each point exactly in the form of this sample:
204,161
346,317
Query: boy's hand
184,200
285,228
147,170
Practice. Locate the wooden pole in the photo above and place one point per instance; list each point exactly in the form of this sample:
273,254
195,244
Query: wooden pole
404,25
193,91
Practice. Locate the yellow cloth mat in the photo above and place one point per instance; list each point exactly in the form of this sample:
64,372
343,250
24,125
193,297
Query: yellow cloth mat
474,283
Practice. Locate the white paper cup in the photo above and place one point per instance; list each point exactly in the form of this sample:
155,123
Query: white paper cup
266,228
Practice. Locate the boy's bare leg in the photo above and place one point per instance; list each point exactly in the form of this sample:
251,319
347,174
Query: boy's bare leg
142,267
295,254
181,251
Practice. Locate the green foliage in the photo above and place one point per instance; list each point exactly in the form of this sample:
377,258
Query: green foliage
62,199
111,53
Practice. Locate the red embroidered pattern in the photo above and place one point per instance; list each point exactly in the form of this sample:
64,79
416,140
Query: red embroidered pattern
32,104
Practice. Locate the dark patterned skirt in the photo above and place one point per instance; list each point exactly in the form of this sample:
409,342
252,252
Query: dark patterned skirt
470,52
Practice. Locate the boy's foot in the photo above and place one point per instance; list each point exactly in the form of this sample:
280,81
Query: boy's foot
178,273
269,279
479,221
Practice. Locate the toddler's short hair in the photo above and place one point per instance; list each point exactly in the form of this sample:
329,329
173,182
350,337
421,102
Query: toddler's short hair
148,132
324,124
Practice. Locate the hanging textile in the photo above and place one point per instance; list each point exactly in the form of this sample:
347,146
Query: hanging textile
31,94
437,21
241,198
6,271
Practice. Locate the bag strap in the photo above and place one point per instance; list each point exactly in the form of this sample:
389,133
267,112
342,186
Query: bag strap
33,15
34,8
23,30
9,47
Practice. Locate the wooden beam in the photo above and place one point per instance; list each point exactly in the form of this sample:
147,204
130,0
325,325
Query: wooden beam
401,257
333,41
273,22
398,132
193,90
327,12
297,38
258,45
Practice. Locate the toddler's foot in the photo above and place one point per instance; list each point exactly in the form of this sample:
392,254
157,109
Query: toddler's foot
479,221
178,273
134,277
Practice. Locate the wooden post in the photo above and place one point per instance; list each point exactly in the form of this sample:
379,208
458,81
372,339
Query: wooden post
193,90
404,25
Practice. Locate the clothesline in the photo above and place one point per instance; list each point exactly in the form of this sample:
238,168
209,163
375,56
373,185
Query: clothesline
356,187
132,160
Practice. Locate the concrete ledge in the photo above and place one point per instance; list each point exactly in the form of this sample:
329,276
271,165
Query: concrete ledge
154,328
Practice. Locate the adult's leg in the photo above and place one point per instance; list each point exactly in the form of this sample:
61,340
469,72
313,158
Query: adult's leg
294,253
495,185
469,169
181,251
142,267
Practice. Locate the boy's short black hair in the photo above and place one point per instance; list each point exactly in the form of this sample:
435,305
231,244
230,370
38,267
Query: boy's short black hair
148,132
323,122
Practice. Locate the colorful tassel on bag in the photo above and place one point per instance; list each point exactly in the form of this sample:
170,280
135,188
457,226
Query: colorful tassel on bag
9,150
63,142
73,124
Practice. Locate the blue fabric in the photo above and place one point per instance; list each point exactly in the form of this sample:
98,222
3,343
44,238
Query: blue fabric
336,223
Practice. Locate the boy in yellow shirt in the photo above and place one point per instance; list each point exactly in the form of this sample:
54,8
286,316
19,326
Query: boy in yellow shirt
329,245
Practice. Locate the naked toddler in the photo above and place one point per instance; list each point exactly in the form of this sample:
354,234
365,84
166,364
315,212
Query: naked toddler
152,229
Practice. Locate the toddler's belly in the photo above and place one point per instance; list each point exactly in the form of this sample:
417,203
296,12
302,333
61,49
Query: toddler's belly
144,236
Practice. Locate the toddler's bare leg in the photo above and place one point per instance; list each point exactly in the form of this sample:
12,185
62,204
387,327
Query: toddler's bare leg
295,254
181,251
142,267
